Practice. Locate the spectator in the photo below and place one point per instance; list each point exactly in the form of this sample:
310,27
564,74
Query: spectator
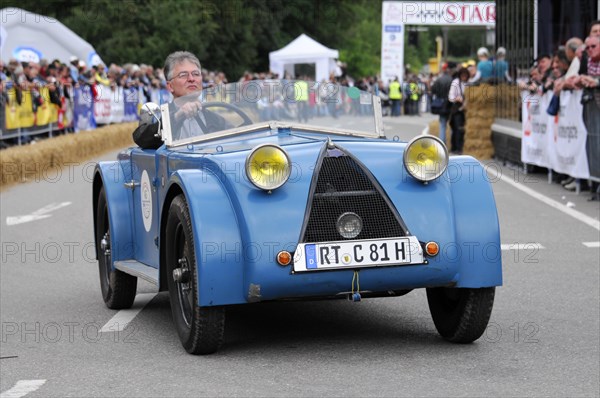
591,102
594,31
501,67
74,67
595,28
395,96
99,74
571,50
544,65
485,68
544,62
456,96
534,82
413,97
441,89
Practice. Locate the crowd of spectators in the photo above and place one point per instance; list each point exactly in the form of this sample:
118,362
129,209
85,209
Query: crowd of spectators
573,66
59,78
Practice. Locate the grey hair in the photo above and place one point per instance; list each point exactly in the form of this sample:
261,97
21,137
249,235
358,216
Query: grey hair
574,43
176,58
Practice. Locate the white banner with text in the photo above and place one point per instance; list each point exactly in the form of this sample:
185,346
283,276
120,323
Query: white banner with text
555,142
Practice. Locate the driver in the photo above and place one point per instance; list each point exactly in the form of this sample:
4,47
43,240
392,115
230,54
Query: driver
184,81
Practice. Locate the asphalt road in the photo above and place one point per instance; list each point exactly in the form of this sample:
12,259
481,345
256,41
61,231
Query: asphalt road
543,338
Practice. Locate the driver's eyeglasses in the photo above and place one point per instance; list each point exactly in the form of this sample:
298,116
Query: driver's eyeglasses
185,75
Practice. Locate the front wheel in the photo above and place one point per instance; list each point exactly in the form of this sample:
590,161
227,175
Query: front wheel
118,288
460,315
200,329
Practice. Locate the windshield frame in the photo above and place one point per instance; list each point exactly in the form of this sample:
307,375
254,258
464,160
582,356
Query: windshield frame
275,125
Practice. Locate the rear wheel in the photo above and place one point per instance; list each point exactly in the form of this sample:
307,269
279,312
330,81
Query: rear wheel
118,288
460,315
200,329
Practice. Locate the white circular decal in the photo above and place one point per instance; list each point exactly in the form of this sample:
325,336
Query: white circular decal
146,201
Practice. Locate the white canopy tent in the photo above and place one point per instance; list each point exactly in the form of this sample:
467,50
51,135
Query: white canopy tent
30,37
304,50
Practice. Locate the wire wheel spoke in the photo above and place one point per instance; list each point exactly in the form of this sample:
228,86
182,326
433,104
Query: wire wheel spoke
184,290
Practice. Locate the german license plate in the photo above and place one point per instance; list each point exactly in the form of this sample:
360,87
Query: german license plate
357,254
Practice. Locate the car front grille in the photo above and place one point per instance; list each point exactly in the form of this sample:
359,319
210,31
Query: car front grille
343,186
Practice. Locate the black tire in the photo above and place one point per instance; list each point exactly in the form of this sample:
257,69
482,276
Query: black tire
461,315
200,329
118,288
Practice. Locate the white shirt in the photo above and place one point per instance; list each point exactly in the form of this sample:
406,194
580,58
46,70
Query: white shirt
190,128
573,68
457,89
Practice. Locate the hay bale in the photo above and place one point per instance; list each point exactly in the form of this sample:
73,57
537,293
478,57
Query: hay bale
32,162
481,112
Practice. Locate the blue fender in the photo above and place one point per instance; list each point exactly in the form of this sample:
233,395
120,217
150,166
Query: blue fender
476,223
458,211
113,176
217,238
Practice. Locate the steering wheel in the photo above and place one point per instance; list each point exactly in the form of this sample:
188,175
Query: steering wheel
216,104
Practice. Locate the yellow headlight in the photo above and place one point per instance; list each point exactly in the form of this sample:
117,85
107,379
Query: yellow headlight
425,158
268,166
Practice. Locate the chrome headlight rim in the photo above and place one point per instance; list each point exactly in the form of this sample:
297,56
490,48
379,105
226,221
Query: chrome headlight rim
249,162
438,141
339,225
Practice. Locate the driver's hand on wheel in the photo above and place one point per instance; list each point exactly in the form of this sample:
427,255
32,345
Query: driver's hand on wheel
189,109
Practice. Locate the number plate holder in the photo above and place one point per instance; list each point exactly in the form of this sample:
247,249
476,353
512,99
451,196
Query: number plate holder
358,254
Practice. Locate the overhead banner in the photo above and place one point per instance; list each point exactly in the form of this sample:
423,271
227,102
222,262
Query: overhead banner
397,14
555,142
454,13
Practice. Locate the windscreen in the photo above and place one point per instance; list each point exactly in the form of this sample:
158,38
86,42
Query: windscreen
223,109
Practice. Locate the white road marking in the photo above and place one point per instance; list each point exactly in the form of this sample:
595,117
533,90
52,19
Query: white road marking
22,388
521,246
591,244
39,214
552,203
120,321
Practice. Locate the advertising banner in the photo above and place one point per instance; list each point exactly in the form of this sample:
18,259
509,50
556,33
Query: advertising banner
83,112
536,138
555,142
569,135
103,105
131,99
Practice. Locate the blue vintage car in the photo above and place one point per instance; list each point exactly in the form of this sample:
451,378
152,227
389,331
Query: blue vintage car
294,196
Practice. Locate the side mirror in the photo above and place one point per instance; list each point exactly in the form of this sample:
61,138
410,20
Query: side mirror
150,113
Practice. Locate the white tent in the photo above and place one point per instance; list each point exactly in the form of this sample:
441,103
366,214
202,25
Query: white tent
30,37
304,50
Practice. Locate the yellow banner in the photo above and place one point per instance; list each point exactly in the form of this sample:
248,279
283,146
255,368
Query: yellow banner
47,112
22,115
